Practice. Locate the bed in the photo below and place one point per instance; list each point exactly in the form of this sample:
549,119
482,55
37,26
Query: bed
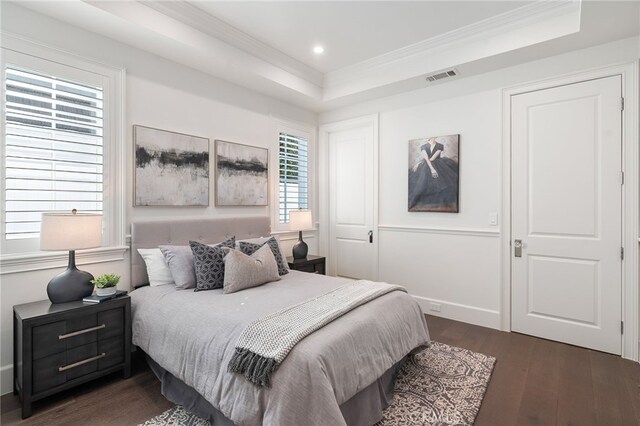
342,374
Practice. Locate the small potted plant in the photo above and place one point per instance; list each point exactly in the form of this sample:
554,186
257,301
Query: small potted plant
106,284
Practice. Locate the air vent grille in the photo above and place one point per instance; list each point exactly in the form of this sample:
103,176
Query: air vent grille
441,75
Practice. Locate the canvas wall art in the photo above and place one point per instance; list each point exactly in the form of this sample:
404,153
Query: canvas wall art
242,175
433,174
171,169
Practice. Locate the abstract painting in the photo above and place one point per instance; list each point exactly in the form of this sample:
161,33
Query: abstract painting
172,169
433,174
242,175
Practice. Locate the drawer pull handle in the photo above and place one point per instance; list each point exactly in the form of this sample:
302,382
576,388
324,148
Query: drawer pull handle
79,363
79,332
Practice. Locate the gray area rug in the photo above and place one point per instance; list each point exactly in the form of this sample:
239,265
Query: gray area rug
440,385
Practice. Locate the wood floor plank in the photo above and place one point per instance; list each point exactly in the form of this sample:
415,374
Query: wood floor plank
504,395
613,403
539,404
631,373
475,337
437,325
454,333
575,387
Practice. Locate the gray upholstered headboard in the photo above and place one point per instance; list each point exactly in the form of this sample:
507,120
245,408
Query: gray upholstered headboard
179,232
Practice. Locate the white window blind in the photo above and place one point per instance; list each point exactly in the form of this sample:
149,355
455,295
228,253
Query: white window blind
53,149
294,175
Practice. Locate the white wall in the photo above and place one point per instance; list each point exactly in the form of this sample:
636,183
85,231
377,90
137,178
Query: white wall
455,259
160,94
426,261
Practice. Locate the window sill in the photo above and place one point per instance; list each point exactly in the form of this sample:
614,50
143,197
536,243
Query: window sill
293,235
24,262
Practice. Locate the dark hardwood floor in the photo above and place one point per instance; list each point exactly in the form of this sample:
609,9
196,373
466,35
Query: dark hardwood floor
535,382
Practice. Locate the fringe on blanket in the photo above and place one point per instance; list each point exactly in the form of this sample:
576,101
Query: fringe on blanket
256,368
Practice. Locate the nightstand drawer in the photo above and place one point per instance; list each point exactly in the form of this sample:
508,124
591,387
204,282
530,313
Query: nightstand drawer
60,368
56,369
59,336
306,268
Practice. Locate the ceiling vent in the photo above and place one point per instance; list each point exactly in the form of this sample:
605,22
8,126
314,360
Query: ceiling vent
442,75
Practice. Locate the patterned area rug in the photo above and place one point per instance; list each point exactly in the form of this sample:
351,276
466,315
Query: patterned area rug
441,385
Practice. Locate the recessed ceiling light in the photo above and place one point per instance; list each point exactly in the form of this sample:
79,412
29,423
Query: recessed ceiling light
318,50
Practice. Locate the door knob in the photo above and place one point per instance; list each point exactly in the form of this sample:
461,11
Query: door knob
517,248
370,236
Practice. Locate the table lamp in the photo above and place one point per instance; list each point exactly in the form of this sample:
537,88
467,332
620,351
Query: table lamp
70,231
300,220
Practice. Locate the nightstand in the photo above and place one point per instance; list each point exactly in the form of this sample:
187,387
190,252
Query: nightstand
313,264
58,346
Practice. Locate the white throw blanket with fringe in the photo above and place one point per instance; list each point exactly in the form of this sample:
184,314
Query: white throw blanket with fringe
265,343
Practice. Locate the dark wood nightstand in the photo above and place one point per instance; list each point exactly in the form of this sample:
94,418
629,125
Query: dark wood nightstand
313,264
58,346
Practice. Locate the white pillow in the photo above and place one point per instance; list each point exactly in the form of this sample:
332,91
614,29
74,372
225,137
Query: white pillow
242,271
261,240
157,268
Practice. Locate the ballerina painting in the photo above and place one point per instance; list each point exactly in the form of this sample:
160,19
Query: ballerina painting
433,174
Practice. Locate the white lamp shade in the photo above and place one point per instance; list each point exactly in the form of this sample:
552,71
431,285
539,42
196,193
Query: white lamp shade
68,231
300,220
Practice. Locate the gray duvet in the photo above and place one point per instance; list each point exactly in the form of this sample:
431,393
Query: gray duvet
192,335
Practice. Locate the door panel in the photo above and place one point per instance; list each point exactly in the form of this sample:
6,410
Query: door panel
567,209
350,177
576,279
572,187
351,204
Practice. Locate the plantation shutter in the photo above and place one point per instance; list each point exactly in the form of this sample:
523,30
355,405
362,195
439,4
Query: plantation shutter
53,149
294,175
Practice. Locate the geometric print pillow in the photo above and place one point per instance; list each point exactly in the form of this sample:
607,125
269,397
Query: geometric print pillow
209,263
250,248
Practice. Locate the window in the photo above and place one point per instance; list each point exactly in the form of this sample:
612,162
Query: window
294,175
53,149
62,148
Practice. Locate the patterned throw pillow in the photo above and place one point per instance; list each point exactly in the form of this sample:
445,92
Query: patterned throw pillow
250,248
209,264
182,265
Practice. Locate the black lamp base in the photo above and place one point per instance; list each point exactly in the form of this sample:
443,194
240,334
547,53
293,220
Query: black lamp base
73,284
300,249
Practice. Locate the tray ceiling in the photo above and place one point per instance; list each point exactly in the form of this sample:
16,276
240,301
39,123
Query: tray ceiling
372,49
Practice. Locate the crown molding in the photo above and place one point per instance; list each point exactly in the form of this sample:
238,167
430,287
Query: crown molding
193,16
528,15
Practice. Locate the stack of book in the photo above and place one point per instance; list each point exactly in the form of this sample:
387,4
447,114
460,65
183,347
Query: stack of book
99,299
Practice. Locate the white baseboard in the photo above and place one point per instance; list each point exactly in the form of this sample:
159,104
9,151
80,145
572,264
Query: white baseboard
6,379
458,312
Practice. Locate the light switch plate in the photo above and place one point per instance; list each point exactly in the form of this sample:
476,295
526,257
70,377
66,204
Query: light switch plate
493,219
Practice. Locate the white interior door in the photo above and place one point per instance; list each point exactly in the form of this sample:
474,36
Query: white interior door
351,201
567,212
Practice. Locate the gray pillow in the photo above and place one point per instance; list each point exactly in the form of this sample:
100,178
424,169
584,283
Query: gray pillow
181,263
209,265
242,271
250,248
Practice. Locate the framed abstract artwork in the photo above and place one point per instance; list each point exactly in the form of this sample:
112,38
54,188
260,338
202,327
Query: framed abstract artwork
242,174
171,169
434,174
